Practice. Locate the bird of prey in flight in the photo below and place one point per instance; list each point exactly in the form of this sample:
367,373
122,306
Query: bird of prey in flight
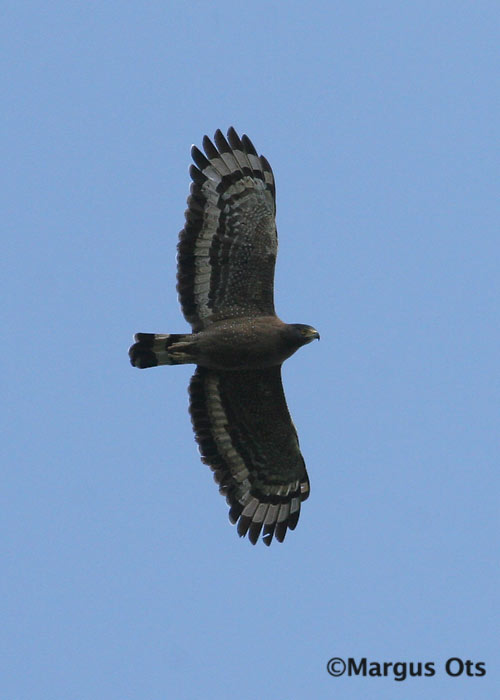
225,281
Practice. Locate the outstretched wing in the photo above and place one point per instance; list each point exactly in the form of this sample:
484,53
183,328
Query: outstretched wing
227,248
246,435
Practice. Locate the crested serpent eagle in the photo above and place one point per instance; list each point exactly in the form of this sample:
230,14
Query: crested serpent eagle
225,278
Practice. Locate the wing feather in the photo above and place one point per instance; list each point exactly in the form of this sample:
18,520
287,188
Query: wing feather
229,239
245,434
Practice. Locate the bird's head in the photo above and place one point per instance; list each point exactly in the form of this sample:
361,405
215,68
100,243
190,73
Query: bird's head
304,334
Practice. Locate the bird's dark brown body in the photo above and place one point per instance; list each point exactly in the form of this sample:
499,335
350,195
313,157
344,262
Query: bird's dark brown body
232,344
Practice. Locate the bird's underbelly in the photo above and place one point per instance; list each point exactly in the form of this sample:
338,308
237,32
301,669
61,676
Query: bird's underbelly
236,347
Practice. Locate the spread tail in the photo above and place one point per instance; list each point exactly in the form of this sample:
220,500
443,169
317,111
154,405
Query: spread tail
152,349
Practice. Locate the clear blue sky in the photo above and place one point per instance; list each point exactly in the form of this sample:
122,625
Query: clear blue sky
121,575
